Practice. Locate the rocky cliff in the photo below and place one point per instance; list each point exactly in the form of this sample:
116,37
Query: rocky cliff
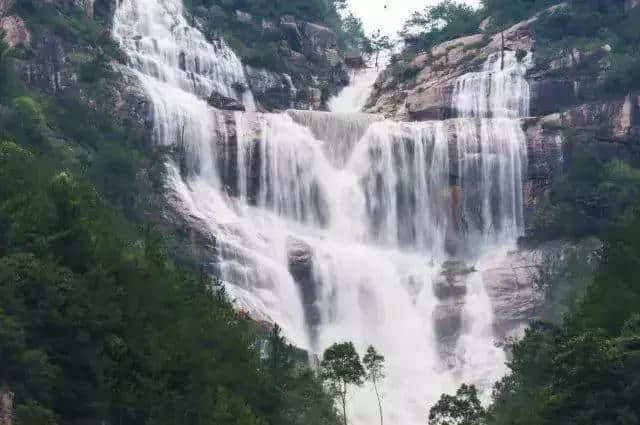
289,62
561,114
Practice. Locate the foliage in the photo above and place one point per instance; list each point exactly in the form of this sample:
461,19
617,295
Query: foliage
586,370
374,366
379,43
218,18
586,198
505,12
462,409
97,322
587,25
341,367
352,35
443,22
32,413
564,274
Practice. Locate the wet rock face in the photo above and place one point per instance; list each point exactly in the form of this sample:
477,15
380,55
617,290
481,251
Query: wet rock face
511,285
301,268
220,101
311,68
617,120
450,287
271,89
550,95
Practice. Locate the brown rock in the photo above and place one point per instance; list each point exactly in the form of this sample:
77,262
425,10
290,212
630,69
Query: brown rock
617,120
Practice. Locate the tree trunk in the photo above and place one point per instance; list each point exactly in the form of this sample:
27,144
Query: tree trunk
344,402
375,387
6,406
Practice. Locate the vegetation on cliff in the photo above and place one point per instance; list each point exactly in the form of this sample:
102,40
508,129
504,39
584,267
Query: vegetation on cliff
586,370
260,46
98,323
583,366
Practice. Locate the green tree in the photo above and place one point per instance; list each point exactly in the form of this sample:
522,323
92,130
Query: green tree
341,366
435,24
379,43
462,409
374,365
33,413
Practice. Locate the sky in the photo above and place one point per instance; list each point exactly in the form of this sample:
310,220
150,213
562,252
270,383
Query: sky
390,19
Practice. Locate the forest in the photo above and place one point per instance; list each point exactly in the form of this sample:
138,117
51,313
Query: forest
99,320
106,317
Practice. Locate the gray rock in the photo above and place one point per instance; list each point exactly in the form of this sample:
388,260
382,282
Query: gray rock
223,102
301,268
511,284
273,90
444,289
448,320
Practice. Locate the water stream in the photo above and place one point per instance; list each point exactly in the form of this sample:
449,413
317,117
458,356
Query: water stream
337,225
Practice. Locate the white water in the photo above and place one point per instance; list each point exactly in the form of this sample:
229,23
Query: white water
368,202
354,97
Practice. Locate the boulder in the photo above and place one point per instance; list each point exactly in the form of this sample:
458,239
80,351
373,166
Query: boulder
15,31
220,101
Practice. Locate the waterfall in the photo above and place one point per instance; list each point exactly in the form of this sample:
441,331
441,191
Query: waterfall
340,226
354,97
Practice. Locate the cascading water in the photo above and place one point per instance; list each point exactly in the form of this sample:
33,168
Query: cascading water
335,225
